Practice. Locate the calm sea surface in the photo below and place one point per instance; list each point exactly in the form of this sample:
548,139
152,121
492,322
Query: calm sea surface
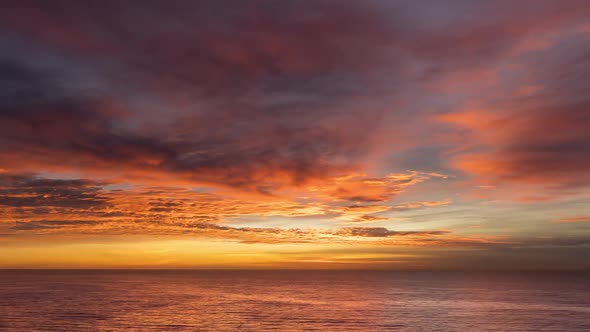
292,301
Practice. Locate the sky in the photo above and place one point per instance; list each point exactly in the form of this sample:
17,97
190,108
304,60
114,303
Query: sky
295,134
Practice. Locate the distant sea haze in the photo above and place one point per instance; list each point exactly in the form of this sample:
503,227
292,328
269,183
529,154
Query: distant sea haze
293,301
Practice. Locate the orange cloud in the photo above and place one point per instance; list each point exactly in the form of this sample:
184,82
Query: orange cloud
418,205
76,207
362,189
368,219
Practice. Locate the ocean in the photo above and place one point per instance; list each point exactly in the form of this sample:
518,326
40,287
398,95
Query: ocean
117,300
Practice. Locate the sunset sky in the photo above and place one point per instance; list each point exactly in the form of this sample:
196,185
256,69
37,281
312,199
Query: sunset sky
295,134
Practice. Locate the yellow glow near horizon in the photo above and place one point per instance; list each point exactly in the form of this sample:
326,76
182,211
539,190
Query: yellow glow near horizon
200,254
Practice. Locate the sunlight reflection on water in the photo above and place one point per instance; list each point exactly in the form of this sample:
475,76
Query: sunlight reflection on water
292,301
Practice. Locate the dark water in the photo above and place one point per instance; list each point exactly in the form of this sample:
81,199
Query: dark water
292,301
